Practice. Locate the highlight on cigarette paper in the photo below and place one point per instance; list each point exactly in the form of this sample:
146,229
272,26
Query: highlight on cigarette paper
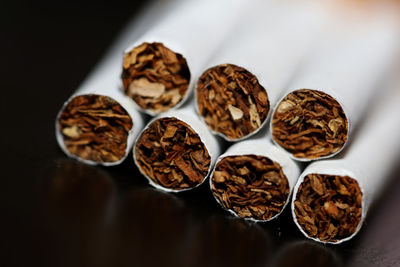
94,128
173,154
328,207
309,124
253,180
155,77
336,84
231,101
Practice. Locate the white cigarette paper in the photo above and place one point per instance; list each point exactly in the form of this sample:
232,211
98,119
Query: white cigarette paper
341,72
270,41
175,175
186,38
104,80
367,161
262,179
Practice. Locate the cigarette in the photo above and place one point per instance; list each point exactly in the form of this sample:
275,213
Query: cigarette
250,72
335,86
253,180
97,129
176,151
332,197
98,123
159,69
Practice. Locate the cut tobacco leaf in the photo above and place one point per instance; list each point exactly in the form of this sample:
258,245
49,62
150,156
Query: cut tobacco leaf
172,155
95,127
231,101
251,186
155,77
328,207
310,124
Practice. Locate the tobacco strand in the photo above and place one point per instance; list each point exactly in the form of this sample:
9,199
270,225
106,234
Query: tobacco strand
328,207
95,127
155,77
172,155
251,186
231,100
310,124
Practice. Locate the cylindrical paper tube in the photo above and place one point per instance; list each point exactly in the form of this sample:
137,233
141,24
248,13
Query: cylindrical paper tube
253,179
176,151
335,85
98,124
160,68
332,197
251,70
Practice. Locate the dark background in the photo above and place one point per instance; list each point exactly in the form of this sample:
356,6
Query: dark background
57,212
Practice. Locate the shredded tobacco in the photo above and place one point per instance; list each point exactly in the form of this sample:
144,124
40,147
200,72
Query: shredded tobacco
251,186
171,154
328,207
310,124
231,100
155,77
95,127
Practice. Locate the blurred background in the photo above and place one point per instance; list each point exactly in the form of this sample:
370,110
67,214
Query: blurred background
57,212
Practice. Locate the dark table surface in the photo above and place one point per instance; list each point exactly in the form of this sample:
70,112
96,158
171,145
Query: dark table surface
58,212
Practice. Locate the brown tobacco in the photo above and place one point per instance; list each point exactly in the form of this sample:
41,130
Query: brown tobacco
251,186
328,207
231,100
310,124
95,127
155,77
171,154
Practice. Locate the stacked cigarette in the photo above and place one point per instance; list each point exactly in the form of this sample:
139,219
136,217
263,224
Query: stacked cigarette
160,68
98,127
253,179
98,124
332,197
251,70
175,151
335,85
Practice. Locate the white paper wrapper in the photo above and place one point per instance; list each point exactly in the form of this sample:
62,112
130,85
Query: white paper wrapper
186,114
270,41
260,146
104,79
194,29
369,157
349,61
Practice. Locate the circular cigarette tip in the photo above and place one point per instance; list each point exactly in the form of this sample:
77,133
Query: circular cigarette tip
328,208
231,101
309,124
94,129
171,155
252,187
155,77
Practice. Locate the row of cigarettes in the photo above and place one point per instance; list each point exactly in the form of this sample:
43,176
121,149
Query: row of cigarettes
252,52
